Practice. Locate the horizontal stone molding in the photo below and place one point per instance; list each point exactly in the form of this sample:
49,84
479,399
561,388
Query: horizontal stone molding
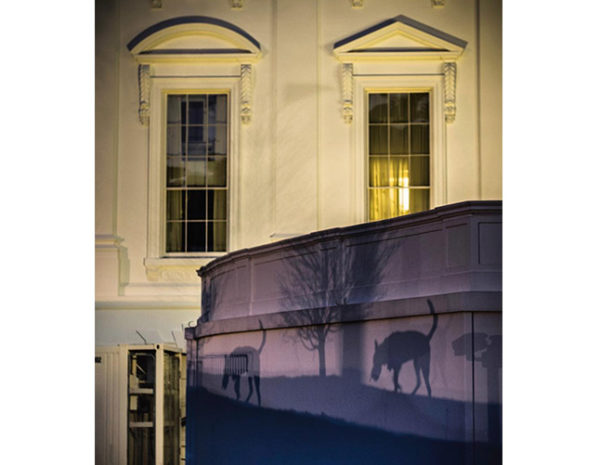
132,304
484,207
444,304
448,250
107,241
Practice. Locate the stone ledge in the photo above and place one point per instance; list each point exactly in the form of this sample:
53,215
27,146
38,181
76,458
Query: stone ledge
443,303
480,207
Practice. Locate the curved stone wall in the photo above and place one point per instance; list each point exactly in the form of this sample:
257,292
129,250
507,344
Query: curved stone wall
353,345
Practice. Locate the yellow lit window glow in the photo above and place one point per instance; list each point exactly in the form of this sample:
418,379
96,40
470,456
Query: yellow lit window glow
399,141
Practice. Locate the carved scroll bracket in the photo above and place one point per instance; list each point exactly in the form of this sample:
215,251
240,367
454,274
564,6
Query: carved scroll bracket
237,4
246,93
357,3
347,96
449,70
438,3
157,4
144,94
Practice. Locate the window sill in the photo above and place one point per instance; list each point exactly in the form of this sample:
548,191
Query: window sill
177,268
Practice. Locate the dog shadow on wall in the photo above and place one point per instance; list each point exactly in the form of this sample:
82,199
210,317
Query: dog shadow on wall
244,361
404,346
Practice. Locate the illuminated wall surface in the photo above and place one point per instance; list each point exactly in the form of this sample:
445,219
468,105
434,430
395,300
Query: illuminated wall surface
309,146
299,161
378,343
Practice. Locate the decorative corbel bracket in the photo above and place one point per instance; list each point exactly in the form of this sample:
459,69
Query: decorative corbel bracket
144,94
438,3
357,3
237,4
347,96
449,70
157,4
246,93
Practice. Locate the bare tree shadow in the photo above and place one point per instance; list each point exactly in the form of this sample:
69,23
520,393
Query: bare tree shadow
317,283
403,346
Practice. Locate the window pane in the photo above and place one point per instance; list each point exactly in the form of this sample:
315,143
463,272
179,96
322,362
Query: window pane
217,140
419,138
197,109
419,171
196,172
399,139
175,205
419,108
398,108
217,108
376,207
399,171
401,201
176,109
196,237
216,172
379,173
196,140
419,200
197,126
378,108
175,172
402,129
175,238
175,140
216,235
378,140
196,205
383,204
217,204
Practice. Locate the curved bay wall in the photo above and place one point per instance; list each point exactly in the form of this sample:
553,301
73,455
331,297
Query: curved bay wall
353,345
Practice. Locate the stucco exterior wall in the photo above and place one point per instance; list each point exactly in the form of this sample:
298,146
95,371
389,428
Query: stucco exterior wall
390,330
351,412
297,166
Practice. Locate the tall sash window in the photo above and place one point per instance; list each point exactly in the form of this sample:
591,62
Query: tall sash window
197,146
399,154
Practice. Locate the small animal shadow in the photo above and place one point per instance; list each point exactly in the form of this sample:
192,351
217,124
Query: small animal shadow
402,346
244,361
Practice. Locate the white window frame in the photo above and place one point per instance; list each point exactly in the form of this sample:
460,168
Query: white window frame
368,84
161,87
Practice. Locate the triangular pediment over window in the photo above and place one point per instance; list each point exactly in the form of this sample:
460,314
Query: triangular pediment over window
194,39
397,39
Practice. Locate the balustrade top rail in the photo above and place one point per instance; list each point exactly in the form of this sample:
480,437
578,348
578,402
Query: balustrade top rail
448,250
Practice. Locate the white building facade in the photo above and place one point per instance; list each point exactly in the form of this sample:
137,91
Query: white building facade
223,125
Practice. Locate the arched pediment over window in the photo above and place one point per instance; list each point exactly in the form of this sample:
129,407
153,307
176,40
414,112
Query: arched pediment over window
193,39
